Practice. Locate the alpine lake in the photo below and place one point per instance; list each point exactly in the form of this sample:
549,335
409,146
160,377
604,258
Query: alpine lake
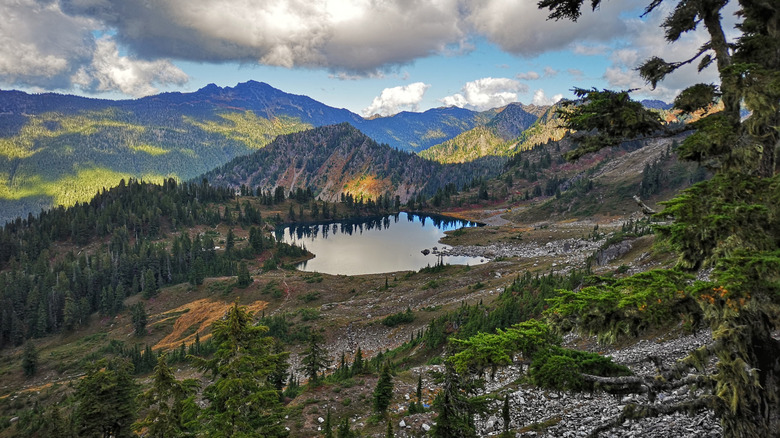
398,242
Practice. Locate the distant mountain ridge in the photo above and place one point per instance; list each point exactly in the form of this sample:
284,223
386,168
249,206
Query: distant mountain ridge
500,136
60,149
337,159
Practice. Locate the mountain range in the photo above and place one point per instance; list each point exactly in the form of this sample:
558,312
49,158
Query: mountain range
60,149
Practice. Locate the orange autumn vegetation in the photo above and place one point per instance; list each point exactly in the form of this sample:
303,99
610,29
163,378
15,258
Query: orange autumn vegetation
201,313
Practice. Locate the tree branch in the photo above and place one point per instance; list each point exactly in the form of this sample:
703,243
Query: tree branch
635,412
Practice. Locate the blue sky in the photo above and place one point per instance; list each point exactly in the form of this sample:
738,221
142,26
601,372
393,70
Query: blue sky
369,56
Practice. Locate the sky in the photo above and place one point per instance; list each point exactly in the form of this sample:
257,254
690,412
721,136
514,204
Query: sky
368,56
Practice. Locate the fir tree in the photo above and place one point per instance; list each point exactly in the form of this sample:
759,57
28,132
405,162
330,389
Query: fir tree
242,400
30,359
169,404
105,400
314,359
383,392
138,315
244,279
327,427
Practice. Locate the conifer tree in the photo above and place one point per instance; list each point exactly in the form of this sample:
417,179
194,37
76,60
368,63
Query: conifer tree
383,392
29,359
358,366
150,284
728,224
242,400
314,359
344,430
105,400
327,427
456,405
506,417
169,404
244,279
138,316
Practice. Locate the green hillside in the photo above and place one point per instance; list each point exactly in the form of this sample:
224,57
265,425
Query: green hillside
497,137
470,145
63,159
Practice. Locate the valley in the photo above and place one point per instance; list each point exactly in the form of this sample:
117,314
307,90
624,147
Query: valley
578,296
525,236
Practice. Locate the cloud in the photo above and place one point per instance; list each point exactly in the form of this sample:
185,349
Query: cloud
519,27
550,72
528,76
345,76
41,46
577,73
347,35
352,37
590,49
110,71
541,99
646,40
486,93
393,100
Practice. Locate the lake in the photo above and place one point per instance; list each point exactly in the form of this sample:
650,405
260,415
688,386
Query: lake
375,245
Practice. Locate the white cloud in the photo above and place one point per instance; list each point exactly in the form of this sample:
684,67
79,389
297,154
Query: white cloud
353,37
528,76
486,93
341,35
395,99
550,72
590,49
519,27
541,99
647,40
40,45
109,71
577,73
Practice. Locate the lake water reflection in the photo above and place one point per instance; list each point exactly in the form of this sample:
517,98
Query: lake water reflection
376,245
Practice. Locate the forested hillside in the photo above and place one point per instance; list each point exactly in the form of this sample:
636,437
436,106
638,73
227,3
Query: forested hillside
46,288
332,160
495,138
57,149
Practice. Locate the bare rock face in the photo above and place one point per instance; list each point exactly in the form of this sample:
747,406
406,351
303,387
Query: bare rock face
612,252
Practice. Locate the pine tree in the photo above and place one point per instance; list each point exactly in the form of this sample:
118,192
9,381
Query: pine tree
327,427
105,400
169,404
244,279
230,242
138,316
30,359
456,406
358,365
150,284
389,431
314,359
197,272
506,417
242,401
383,392
729,223
344,431
119,299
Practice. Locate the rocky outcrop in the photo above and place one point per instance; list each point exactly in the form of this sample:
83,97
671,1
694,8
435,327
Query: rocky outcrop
616,250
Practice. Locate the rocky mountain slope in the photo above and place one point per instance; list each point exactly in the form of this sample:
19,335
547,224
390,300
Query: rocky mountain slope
337,159
59,149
